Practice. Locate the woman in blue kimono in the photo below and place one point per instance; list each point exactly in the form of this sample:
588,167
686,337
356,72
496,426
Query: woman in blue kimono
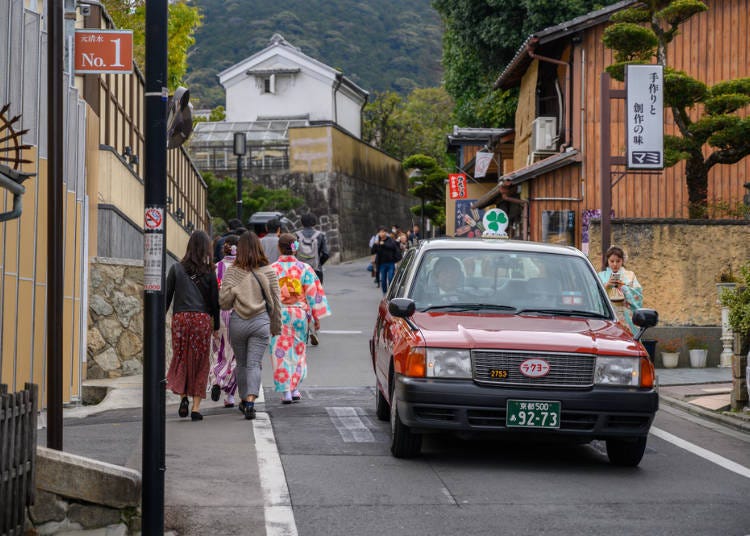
622,287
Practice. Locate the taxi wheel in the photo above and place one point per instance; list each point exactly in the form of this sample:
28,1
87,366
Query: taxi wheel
626,452
404,442
382,409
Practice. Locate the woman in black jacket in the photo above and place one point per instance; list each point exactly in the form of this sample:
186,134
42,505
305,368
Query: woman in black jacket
192,285
387,253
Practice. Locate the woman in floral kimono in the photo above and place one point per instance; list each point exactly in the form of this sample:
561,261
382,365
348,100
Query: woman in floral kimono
622,286
302,298
222,376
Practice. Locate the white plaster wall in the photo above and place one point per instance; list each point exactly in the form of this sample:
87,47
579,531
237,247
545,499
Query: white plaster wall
295,95
349,114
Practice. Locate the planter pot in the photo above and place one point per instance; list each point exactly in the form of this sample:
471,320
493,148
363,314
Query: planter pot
698,358
670,359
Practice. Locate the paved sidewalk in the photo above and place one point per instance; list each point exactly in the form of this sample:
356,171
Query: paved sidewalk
703,392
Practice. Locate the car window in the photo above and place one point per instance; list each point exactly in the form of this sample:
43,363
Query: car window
397,285
517,280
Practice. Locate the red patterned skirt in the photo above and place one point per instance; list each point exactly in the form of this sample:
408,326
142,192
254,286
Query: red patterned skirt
191,350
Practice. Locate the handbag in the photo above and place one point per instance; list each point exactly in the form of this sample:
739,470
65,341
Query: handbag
263,293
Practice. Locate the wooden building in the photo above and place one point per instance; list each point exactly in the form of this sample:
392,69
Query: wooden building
556,153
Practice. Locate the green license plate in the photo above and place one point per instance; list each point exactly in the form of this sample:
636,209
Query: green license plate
532,414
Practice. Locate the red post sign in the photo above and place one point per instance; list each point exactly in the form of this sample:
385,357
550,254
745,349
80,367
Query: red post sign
457,186
103,51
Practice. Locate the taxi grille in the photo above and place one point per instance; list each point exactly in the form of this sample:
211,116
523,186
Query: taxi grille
566,370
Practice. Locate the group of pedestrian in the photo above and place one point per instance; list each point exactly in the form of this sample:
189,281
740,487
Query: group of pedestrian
259,295
387,249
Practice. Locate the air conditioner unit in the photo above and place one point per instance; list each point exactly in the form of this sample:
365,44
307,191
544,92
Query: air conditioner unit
544,134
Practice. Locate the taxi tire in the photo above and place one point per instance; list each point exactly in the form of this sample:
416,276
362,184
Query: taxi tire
382,409
404,442
626,452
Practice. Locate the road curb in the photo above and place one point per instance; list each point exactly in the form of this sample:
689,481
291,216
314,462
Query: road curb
732,422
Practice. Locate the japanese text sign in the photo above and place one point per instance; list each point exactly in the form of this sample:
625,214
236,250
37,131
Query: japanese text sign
103,51
645,116
457,186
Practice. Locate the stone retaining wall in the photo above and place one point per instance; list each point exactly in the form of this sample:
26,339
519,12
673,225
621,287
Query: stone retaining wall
115,320
80,495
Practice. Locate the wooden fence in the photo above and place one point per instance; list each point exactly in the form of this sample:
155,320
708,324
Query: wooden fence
17,456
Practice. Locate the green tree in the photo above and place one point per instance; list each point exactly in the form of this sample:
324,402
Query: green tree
415,125
184,20
427,181
481,37
712,134
222,199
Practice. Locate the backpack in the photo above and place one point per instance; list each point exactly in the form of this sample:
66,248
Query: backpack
308,249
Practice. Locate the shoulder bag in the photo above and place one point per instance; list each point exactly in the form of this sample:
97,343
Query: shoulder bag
263,292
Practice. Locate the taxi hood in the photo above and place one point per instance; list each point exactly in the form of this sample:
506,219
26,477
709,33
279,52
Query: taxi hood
543,333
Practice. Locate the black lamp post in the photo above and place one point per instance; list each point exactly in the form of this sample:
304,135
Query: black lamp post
413,175
240,148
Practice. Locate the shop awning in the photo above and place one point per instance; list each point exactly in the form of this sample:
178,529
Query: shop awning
524,174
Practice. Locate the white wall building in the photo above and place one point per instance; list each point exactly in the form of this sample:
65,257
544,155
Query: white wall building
280,82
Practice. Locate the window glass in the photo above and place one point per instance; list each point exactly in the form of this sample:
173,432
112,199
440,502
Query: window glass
396,289
518,280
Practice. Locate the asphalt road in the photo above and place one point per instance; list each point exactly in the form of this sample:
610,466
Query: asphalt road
341,479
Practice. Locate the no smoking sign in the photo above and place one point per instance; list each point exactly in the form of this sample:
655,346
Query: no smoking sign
154,219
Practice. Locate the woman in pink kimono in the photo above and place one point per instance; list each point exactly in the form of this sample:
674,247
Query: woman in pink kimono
222,376
302,299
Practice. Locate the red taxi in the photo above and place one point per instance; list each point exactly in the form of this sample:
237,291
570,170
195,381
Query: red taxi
488,335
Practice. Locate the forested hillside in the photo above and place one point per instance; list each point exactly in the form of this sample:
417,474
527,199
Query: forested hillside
381,45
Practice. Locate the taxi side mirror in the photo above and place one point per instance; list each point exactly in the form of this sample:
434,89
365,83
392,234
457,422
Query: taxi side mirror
644,319
401,307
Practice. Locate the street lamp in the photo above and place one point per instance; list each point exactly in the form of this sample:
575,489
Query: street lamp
240,148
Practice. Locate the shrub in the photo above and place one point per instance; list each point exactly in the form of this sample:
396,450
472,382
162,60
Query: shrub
670,345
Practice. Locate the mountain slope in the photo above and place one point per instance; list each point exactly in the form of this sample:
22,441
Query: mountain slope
380,45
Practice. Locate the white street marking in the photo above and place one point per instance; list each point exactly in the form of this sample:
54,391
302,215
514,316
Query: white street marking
350,426
703,453
277,504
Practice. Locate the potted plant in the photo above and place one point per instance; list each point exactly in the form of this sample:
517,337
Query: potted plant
698,350
726,280
670,352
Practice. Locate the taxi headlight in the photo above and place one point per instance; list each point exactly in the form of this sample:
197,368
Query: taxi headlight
448,363
617,371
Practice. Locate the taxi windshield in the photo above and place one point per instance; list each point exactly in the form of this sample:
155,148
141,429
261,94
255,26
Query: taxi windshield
512,282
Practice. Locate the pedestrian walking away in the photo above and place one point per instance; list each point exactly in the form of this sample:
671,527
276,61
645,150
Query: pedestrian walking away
250,289
622,286
270,242
303,303
192,290
387,254
313,248
222,375
235,228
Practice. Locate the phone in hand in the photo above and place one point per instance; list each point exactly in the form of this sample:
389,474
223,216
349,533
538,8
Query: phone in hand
615,276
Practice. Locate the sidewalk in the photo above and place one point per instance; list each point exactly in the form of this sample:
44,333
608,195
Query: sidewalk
703,392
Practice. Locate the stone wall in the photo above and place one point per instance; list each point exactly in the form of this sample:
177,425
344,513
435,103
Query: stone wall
677,263
75,495
115,320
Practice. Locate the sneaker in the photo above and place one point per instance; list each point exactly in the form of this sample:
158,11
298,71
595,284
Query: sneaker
248,410
287,398
215,393
296,397
314,339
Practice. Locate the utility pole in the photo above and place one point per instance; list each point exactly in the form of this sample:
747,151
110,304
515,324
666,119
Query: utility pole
154,257
55,237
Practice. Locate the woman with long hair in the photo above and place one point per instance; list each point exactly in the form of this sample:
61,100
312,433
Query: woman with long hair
251,289
222,374
302,299
191,283
622,286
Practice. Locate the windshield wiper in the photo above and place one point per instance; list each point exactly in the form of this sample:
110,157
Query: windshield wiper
564,312
470,307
